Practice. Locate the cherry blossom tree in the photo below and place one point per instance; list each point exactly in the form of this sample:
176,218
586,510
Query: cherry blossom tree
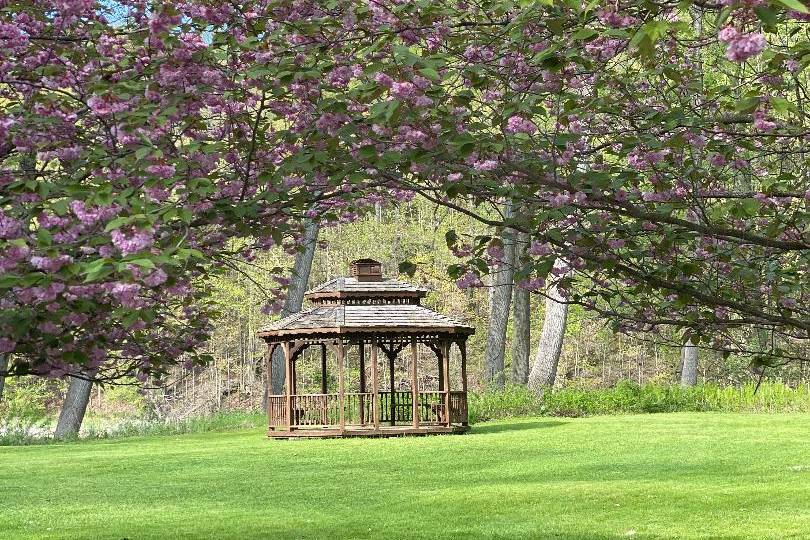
659,164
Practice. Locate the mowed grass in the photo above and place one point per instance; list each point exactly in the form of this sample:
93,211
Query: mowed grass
684,475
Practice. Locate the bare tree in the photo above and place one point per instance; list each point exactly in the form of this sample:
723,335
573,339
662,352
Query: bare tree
3,367
689,357
295,297
499,307
544,370
73,408
521,319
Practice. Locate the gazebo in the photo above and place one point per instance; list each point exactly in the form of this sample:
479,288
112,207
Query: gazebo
366,313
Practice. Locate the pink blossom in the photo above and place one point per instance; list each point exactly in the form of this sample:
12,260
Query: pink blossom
538,249
9,227
134,241
744,46
470,279
761,122
156,278
50,264
162,171
485,165
518,124
126,294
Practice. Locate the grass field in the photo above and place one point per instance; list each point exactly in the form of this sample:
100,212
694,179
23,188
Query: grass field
648,476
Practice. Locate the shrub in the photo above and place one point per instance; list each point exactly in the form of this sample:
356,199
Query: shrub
630,398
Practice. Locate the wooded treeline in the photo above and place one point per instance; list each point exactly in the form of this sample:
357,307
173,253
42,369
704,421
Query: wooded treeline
591,355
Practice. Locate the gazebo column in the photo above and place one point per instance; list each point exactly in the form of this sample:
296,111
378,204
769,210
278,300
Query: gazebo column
414,382
375,385
446,376
341,386
391,359
323,368
462,347
361,349
288,384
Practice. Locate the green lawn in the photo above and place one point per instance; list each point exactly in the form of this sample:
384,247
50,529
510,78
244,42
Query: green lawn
698,475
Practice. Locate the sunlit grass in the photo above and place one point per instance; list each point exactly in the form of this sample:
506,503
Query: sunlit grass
648,476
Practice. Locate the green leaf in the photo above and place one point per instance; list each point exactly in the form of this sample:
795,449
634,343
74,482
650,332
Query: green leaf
794,4
583,34
116,223
143,263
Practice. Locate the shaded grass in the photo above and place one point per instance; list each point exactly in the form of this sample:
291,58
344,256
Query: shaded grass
651,476
21,432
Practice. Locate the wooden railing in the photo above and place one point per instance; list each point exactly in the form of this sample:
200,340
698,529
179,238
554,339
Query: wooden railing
277,411
458,407
324,409
315,410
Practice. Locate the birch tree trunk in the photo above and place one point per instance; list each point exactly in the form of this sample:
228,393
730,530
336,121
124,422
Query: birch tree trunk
544,370
521,319
499,308
73,408
3,367
689,356
295,299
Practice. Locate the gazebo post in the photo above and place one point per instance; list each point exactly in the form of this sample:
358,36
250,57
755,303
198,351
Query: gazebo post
341,389
462,347
414,383
288,385
375,385
440,362
391,359
446,369
323,368
361,349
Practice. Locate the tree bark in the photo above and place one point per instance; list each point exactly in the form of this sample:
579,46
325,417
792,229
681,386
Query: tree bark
521,318
499,308
3,367
73,408
544,370
689,356
295,297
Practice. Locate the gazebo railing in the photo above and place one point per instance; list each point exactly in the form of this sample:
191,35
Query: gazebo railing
310,410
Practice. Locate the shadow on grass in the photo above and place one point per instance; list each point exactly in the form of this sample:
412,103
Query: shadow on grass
514,426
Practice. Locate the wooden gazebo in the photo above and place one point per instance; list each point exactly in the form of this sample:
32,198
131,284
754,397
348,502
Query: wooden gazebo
366,312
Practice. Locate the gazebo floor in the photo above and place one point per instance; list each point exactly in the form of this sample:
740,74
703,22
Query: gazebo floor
366,431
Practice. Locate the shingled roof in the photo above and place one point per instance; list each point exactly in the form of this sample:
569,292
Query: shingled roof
342,319
351,305
350,287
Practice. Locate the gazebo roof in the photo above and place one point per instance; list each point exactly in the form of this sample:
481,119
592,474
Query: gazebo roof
368,304
349,319
351,287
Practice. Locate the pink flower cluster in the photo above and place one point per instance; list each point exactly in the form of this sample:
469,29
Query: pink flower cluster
50,264
610,17
761,122
470,279
741,46
9,227
518,124
132,242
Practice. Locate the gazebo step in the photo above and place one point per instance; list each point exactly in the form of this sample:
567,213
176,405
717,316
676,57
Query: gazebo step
383,431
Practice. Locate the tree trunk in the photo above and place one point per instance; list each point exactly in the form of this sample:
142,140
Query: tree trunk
544,370
521,318
3,367
73,408
689,356
499,308
295,297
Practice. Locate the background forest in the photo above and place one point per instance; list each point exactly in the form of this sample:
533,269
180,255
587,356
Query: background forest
593,358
